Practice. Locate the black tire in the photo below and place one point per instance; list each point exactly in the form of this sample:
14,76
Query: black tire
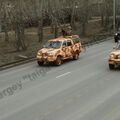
58,61
111,66
76,56
40,63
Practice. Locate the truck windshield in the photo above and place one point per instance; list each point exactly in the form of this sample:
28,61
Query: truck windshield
53,44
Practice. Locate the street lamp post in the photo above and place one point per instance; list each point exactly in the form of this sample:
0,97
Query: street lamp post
114,28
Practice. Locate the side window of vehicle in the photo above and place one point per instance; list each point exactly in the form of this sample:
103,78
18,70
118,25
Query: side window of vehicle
64,43
69,43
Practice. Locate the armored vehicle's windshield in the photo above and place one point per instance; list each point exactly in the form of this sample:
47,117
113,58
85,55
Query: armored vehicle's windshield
53,44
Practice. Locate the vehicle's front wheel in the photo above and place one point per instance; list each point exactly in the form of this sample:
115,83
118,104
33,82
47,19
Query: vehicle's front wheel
40,63
58,61
111,66
76,56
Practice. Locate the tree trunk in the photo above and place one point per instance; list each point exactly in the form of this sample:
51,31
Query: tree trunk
72,21
40,21
6,28
40,30
83,28
85,16
19,27
102,15
106,13
6,36
56,31
20,37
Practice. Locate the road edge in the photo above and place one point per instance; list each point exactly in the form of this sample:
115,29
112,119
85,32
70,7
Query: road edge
17,63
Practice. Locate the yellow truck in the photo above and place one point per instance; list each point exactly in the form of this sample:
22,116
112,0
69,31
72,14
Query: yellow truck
114,58
59,49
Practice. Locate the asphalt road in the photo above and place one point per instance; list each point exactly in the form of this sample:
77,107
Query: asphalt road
78,90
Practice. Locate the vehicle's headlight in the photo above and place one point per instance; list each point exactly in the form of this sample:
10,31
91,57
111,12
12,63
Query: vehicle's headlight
118,56
116,34
52,53
112,56
39,53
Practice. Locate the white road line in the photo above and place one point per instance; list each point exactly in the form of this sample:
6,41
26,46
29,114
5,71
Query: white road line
63,75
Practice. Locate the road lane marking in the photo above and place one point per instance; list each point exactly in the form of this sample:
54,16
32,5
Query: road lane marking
63,74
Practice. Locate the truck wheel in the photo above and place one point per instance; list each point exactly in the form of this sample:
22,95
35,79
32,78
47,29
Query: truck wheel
111,66
76,56
58,61
40,63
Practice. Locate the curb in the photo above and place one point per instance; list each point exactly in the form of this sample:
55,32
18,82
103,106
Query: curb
97,42
13,64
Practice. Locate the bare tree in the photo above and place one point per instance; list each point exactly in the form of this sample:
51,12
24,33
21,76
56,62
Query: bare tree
40,20
58,11
5,18
18,22
85,15
106,12
73,11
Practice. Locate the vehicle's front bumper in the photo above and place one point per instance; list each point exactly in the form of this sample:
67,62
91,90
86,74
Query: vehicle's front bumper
46,58
114,61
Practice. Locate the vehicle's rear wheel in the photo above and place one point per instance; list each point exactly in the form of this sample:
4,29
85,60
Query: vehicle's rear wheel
76,56
40,63
58,61
111,66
